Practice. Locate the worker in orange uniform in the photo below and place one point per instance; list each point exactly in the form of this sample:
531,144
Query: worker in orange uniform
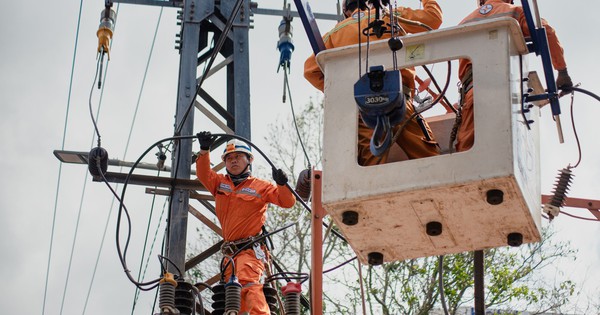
241,203
493,9
415,141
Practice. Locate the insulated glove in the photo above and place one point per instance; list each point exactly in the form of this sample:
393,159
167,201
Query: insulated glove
279,177
205,139
563,81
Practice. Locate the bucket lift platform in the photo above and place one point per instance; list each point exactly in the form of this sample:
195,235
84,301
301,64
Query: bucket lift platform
485,197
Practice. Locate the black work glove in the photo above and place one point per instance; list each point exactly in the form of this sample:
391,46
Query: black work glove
563,81
279,177
205,139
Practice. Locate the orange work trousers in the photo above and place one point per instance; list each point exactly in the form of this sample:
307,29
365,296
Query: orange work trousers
412,140
466,132
249,270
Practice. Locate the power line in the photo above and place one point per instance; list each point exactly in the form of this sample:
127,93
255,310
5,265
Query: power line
143,275
60,164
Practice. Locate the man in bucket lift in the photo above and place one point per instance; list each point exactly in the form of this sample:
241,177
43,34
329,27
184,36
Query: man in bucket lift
241,204
493,9
415,141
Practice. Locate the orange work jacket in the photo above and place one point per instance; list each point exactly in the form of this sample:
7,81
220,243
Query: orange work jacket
241,209
499,8
346,33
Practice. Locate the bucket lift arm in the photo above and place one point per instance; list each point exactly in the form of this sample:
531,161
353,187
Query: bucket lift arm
310,25
540,47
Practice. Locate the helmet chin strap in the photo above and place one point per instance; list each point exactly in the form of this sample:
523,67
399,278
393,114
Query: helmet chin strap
246,170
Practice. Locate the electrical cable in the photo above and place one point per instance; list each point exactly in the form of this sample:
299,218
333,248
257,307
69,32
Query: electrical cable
83,190
586,92
75,233
100,75
123,208
575,131
90,103
204,284
340,265
58,181
224,266
580,218
137,105
303,301
443,92
87,297
172,264
151,250
141,267
140,285
437,86
123,254
418,112
441,283
216,51
289,276
286,83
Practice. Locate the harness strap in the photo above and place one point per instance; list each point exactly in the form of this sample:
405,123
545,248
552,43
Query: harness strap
230,247
466,81
466,84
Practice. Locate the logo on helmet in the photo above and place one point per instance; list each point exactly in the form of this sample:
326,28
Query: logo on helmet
486,9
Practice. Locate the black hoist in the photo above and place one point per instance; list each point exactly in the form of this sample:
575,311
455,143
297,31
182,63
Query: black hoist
379,93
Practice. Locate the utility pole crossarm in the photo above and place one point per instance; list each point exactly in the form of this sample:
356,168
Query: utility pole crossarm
275,12
592,205
174,3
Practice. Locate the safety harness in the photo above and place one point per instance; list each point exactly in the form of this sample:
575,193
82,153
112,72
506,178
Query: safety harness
228,248
466,83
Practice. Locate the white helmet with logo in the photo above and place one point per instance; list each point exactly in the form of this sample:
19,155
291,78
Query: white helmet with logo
235,145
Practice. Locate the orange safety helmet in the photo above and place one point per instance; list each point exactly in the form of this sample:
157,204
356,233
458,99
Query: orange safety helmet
235,145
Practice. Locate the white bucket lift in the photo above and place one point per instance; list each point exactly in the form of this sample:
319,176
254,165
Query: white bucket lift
480,196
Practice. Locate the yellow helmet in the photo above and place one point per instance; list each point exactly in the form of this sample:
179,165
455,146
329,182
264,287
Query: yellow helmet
235,145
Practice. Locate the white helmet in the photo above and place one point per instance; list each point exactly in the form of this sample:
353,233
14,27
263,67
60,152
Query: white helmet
235,145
